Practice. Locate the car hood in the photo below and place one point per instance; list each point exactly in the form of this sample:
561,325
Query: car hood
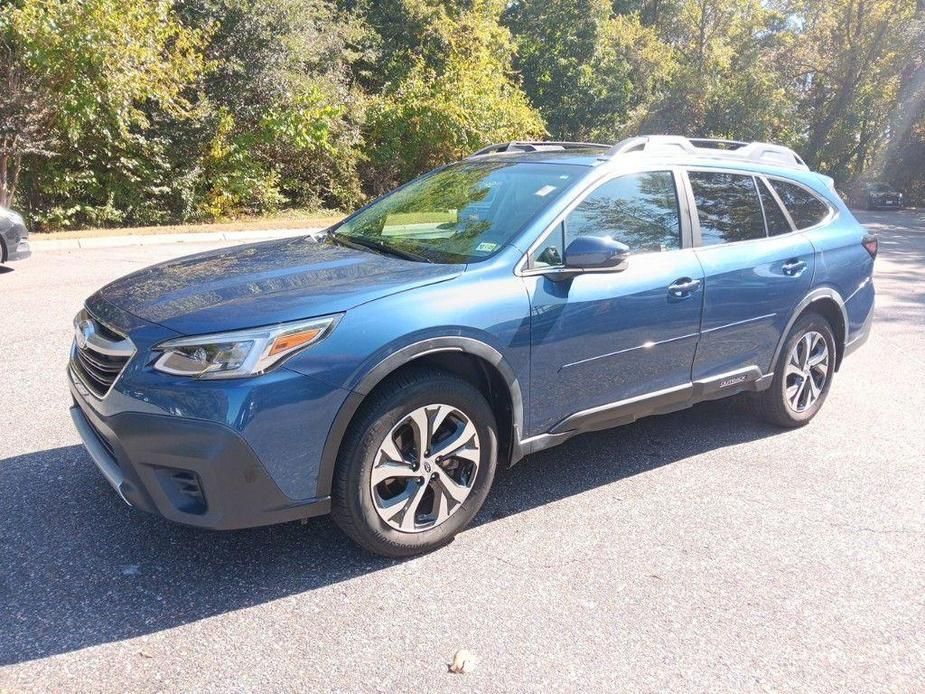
265,283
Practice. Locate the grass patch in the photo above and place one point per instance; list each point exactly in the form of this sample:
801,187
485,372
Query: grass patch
285,219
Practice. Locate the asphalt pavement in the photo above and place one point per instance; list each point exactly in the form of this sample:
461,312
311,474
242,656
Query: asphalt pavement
697,551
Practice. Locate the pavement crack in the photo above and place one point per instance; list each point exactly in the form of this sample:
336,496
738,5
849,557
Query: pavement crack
877,531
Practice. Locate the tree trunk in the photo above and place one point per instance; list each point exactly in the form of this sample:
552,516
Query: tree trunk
4,163
14,180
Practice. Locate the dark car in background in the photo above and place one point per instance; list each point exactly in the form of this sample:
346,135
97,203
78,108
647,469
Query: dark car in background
14,236
883,196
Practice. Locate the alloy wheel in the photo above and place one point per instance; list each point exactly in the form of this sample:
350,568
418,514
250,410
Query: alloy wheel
806,372
425,468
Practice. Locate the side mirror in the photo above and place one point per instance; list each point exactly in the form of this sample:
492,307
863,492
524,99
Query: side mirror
596,253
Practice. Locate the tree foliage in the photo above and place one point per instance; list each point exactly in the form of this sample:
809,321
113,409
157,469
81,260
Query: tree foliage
143,112
449,101
80,83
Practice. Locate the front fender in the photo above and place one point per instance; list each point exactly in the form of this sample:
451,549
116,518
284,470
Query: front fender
484,314
381,370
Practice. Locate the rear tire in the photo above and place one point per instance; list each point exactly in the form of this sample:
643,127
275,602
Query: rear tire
396,500
802,375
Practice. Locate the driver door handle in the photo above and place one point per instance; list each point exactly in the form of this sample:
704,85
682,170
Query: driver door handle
683,287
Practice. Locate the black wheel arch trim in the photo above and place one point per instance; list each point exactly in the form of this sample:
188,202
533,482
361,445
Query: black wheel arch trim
818,294
372,377
395,361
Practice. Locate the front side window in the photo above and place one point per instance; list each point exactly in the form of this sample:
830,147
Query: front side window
727,207
640,210
805,209
461,214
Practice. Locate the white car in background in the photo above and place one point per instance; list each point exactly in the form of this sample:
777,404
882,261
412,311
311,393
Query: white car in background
14,236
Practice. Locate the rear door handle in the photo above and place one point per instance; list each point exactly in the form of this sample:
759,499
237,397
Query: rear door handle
683,287
793,267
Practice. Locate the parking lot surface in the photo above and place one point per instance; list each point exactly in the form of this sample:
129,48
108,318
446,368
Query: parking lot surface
701,550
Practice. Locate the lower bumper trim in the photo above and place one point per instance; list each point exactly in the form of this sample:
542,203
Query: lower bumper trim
98,453
144,458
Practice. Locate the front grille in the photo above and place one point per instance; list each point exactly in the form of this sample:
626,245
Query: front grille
99,354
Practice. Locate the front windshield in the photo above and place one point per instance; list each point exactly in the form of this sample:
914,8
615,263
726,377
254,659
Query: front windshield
462,213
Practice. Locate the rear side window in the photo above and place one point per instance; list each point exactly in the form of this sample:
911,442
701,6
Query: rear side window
727,206
805,208
773,215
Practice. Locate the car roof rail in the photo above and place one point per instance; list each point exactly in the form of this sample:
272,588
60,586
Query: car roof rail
710,148
536,146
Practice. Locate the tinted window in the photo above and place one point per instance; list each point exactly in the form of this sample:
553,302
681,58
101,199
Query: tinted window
641,210
727,206
773,215
805,208
550,252
462,213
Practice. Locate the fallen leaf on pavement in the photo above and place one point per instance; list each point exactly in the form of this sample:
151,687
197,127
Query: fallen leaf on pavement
463,662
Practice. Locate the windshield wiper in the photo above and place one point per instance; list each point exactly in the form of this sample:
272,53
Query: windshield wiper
372,244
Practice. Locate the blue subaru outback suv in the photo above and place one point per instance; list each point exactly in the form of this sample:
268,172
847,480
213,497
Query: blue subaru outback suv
491,308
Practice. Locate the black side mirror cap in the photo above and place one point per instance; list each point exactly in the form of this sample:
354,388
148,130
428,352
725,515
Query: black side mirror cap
597,253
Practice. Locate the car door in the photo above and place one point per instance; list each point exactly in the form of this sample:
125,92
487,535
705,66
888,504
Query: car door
756,270
602,337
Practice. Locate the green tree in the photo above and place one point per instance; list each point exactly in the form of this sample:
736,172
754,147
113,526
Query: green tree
729,79
849,59
902,160
591,73
81,80
446,108
285,125
556,40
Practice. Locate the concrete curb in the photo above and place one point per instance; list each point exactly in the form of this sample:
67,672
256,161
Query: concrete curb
37,244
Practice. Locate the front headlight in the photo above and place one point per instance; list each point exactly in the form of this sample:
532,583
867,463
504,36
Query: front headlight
240,353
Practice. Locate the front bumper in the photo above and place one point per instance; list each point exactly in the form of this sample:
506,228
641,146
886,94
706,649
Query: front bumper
190,471
16,240
21,252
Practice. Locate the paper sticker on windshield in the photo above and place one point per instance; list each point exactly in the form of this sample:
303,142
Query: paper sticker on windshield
545,190
486,246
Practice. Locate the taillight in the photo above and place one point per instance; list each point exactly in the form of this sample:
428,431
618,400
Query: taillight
870,244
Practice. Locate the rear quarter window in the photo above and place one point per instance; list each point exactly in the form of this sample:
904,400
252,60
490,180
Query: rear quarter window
773,215
804,207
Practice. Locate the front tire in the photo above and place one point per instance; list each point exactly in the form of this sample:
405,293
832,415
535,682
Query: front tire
416,464
802,375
